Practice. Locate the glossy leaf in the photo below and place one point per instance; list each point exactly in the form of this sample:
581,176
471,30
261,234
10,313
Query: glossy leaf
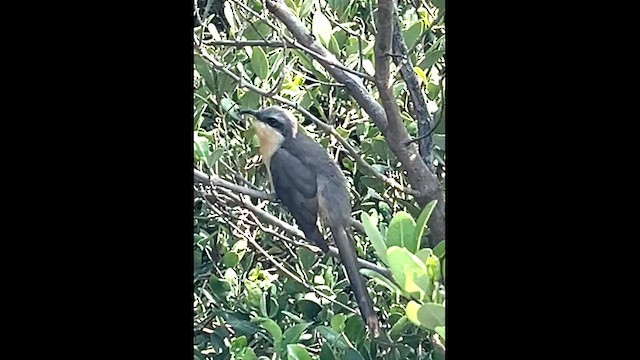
338,322
292,334
259,63
321,28
271,326
401,232
409,271
431,59
423,219
230,259
412,34
297,352
203,68
332,337
431,315
374,236
439,250
326,353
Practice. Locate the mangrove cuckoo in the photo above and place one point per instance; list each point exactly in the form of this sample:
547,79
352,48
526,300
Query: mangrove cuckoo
309,183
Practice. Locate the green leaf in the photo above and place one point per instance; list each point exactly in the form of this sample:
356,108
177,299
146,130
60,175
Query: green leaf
424,254
259,63
431,59
250,100
309,308
337,322
215,156
439,4
374,183
439,250
228,14
401,232
398,327
230,107
230,259
249,354
411,312
432,91
238,344
354,329
307,257
412,34
439,141
375,237
409,271
243,327
421,74
352,355
292,334
305,8
367,65
254,293
263,31
297,352
440,331
326,353
321,28
380,279
332,337
431,315
271,327
422,220
204,70
201,149
413,210
333,45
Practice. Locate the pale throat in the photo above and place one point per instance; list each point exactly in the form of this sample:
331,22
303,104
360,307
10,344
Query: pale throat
270,141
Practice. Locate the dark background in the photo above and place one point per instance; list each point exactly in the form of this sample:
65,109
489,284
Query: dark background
106,131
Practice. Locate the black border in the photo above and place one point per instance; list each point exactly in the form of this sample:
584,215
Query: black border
125,280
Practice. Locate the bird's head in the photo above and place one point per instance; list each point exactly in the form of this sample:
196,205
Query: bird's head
273,123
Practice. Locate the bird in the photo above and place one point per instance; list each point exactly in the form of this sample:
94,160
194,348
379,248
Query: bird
309,183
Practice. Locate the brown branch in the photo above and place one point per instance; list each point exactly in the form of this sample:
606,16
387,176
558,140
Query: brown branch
419,174
322,125
242,43
420,113
294,231
352,84
386,117
319,56
277,264
214,180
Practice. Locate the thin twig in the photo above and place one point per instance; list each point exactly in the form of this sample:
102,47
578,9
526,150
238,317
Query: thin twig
214,180
280,267
322,125
321,58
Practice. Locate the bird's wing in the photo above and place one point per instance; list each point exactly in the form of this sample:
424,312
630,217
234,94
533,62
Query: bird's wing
296,185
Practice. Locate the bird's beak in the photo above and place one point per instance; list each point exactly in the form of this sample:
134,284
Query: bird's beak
248,111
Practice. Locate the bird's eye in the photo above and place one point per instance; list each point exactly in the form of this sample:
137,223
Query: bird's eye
272,121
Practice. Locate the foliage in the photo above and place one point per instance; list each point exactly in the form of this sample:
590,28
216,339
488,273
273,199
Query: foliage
245,307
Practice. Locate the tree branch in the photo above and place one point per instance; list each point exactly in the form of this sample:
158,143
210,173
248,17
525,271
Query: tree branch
421,115
294,231
322,125
319,56
352,84
386,118
214,180
419,174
